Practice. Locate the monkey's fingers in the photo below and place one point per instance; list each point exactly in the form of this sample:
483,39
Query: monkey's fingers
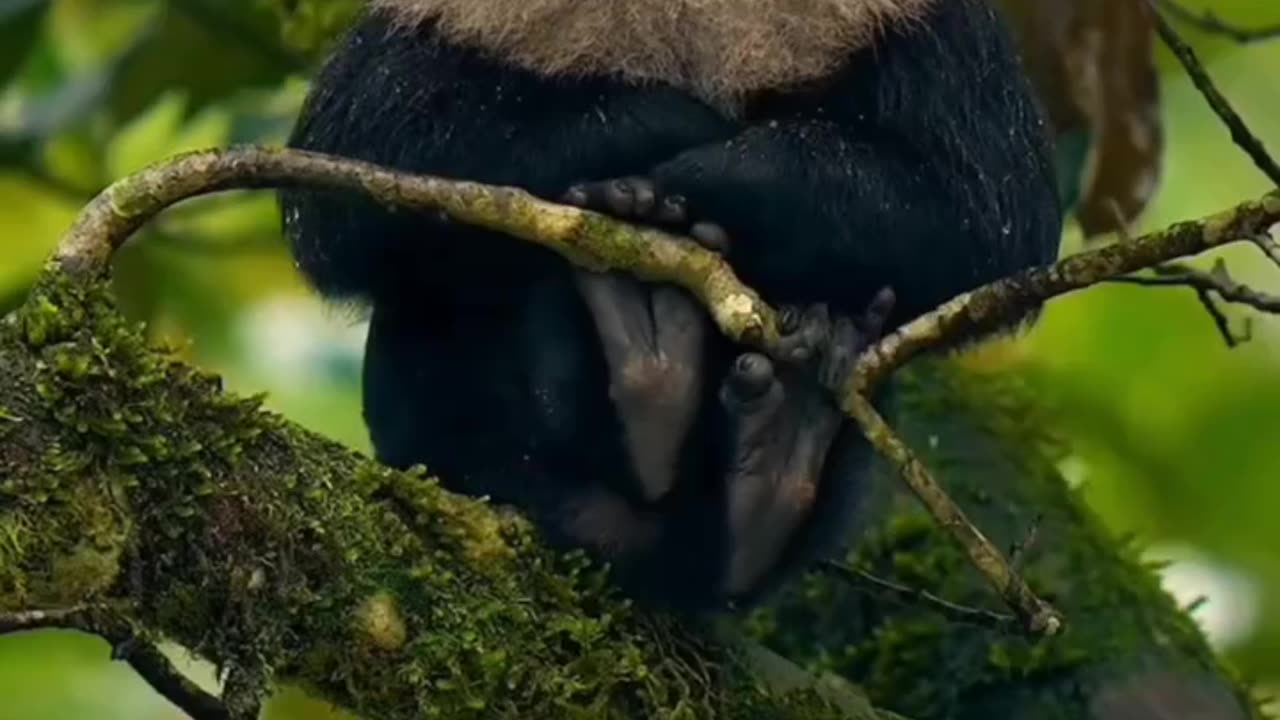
804,332
876,316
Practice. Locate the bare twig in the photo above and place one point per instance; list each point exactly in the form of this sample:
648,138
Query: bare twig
991,304
1204,287
1210,22
1223,323
1217,282
946,608
1268,246
1037,616
1240,132
127,645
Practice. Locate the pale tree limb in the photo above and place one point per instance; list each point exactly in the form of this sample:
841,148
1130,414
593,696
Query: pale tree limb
587,239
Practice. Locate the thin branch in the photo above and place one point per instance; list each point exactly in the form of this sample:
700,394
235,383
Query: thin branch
1223,323
127,645
952,611
1037,616
1268,246
1004,300
1217,281
1240,132
1210,22
1209,287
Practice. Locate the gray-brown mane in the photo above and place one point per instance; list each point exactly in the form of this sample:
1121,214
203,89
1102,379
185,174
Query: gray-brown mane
718,49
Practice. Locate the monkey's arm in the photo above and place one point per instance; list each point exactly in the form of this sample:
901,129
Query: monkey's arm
923,165
416,103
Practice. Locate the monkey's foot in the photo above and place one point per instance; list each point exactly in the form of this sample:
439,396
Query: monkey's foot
781,429
653,336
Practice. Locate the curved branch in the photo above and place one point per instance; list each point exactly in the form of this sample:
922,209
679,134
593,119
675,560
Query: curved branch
586,239
991,304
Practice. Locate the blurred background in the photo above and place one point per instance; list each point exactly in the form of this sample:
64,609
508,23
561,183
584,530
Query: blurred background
1175,437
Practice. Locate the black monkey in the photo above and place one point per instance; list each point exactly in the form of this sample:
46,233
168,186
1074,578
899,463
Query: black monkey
830,147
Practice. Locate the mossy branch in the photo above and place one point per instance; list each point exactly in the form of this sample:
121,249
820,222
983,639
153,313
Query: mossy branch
134,493
597,242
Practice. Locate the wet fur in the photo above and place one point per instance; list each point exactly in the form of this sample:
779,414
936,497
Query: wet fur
720,50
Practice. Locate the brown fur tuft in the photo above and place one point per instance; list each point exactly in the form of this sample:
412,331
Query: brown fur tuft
719,49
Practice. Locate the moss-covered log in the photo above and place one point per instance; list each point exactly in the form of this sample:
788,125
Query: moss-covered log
132,480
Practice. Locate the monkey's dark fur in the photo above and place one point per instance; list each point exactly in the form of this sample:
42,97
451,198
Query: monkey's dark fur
919,162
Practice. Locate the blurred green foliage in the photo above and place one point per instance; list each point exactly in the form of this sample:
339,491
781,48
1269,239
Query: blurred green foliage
1173,433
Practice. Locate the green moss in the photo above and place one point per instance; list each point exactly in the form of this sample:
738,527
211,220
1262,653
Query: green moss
260,545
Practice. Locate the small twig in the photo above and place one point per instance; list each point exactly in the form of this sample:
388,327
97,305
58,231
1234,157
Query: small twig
952,611
127,645
1220,320
1036,615
1217,281
1240,132
1210,22
1268,246
1223,323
